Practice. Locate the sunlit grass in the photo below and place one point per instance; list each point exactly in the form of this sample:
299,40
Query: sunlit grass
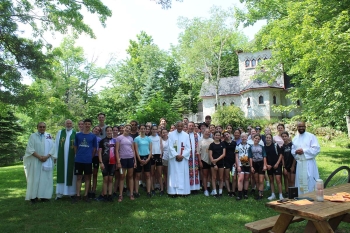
159,214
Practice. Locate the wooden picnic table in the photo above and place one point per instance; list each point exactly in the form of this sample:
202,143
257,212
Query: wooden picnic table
322,216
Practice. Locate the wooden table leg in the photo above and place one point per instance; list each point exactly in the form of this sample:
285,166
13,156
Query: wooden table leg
310,227
282,223
334,222
323,227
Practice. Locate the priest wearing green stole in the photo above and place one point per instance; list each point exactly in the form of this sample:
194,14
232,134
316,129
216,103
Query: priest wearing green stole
66,180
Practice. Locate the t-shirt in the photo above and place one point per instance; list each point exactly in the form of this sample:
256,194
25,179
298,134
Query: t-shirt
203,147
125,147
134,135
155,145
98,143
272,154
217,149
85,144
107,148
143,145
230,150
287,155
242,151
256,152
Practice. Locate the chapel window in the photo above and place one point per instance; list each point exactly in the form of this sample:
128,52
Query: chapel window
261,99
253,63
248,101
232,103
274,100
247,63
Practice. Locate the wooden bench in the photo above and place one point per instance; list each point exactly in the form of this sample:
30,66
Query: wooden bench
266,224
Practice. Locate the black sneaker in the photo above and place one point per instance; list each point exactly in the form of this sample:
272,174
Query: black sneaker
44,199
258,198
238,198
58,198
115,195
100,198
161,193
252,192
229,194
245,196
149,195
233,194
153,192
136,195
33,201
86,199
75,199
110,198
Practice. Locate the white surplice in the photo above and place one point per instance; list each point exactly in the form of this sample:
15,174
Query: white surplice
178,172
307,171
39,180
63,189
193,164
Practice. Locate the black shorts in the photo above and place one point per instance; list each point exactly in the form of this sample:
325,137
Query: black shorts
82,168
146,167
156,160
220,164
276,172
288,170
127,163
109,169
228,163
205,165
258,167
245,169
95,162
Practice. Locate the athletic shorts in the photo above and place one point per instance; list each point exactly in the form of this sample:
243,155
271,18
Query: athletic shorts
245,169
82,168
109,169
220,164
156,160
273,171
146,167
288,169
95,162
258,167
127,163
205,165
228,163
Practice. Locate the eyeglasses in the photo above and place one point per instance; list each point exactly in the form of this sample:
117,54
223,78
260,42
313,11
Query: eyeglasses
249,128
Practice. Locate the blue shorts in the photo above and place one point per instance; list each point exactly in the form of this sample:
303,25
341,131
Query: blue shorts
127,163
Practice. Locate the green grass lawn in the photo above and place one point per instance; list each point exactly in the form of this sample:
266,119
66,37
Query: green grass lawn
159,214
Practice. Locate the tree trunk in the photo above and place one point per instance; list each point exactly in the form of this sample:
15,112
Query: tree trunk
348,124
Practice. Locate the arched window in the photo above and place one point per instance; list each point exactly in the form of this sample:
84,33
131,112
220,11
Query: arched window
261,99
259,60
248,101
247,63
274,100
298,102
265,58
232,103
223,104
253,63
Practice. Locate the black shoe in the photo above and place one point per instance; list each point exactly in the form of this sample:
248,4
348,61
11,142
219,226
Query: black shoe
44,199
136,195
238,198
124,190
153,192
33,201
161,193
110,198
245,196
92,195
149,195
115,195
233,194
229,194
258,198
100,198
86,199
252,192
75,199
58,198
172,195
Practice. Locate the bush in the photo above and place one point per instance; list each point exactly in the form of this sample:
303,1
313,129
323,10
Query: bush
229,115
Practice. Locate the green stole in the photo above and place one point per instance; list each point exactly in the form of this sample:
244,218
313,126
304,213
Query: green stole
60,158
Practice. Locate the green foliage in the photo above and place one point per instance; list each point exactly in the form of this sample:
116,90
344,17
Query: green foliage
229,115
20,55
11,147
311,40
156,108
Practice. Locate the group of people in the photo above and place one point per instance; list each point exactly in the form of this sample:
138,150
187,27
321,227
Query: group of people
188,159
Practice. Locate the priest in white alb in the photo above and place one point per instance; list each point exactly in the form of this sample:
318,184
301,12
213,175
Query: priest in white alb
305,149
66,180
178,170
38,165
193,162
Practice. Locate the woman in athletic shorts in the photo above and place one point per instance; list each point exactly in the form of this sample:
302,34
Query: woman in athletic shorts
257,159
274,166
289,163
156,160
143,149
204,164
116,133
229,162
217,152
243,168
165,154
126,161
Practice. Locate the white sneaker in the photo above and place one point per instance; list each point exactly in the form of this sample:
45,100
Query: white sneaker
206,193
272,197
281,196
213,193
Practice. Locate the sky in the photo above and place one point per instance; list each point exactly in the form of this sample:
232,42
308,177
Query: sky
130,17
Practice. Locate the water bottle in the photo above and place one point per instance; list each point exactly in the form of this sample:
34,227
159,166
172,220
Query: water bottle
233,170
319,190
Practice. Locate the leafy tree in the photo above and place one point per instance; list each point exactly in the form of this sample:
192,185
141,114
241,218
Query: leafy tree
22,55
11,148
311,40
229,115
207,49
179,102
166,4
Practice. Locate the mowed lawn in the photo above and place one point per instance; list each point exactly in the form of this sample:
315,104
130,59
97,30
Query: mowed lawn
158,214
